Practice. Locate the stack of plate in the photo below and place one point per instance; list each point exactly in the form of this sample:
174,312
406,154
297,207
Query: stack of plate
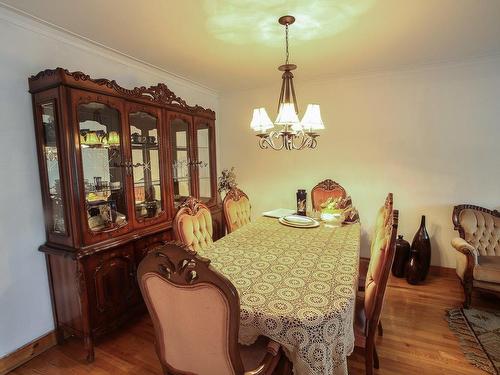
298,221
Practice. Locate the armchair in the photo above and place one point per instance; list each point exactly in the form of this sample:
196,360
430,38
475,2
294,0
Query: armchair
477,249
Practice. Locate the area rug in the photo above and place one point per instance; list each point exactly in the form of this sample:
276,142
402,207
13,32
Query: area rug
479,334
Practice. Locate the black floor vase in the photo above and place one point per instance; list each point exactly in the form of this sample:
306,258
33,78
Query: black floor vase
422,245
413,269
401,258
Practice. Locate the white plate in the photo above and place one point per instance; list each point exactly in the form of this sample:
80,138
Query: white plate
313,224
278,213
297,219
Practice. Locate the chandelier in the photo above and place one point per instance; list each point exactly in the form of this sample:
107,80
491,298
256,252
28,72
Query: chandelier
292,134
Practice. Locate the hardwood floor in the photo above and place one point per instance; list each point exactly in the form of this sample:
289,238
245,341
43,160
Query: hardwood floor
416,339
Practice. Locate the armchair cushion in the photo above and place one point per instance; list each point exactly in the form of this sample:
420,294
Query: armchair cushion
487,269
494,287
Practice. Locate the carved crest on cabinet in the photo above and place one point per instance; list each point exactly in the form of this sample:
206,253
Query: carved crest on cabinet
160,93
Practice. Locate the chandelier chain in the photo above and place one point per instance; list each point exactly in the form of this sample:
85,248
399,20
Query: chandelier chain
286,38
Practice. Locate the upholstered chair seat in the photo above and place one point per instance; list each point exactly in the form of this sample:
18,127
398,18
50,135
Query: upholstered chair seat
196,317
370,301
477,249
193,224
237,209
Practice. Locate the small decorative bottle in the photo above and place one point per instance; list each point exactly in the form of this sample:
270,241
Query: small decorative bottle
422,244
301,202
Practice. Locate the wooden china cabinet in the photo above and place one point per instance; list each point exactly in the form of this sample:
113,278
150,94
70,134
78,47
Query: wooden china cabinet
114,166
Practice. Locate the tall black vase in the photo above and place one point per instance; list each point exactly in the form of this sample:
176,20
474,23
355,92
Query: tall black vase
422,245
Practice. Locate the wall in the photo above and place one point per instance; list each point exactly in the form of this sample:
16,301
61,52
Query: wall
430,136
27,48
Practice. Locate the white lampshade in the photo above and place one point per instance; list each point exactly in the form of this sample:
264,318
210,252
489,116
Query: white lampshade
260,120
312,118
287,115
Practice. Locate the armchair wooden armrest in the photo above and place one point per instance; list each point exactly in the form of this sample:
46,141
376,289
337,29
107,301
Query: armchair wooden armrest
464,247
466,261
470,253
270,361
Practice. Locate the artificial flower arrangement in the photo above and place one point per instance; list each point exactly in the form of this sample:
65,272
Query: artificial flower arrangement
226,181
339,210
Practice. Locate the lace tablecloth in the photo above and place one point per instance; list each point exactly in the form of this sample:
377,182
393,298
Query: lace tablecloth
296,286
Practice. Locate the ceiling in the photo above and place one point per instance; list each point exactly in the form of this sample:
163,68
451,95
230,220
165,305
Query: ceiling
238,44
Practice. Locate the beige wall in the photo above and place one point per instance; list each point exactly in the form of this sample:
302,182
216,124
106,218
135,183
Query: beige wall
430,136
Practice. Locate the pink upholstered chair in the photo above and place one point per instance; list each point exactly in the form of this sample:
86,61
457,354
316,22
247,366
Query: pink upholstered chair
369,303
324,190
237,209
196,316
193,224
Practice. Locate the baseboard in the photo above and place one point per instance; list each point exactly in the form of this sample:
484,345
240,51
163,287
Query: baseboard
433,270
22,355
442,271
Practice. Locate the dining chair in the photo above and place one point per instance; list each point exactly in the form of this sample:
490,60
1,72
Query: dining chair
196,317
324,190
383,215
369,303
237,209
193,224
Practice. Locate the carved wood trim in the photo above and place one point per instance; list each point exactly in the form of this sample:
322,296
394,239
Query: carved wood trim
459,208
159,94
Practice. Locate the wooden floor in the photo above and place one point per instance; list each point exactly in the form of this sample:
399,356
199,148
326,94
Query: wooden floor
416,339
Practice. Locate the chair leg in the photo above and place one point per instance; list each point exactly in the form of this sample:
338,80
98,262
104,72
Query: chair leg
376,363
468,294
369,359
380,329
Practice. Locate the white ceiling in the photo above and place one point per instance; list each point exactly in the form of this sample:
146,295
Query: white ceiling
238,44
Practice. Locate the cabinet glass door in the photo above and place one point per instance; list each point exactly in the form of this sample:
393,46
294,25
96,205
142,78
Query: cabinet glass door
55,210
104,170
144,141
181,159
203,163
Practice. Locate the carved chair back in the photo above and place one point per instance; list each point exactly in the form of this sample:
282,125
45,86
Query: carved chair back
195,312
193,224
324,190
237,209
479,226
383,250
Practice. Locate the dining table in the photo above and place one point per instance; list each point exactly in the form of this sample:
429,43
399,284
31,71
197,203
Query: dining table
297,286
